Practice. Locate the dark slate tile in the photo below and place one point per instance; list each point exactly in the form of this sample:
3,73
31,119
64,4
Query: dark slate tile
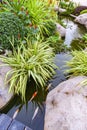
4,122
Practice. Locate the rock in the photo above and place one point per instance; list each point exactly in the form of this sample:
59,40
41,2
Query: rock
82,19
80,2
56,8
5,96
66,106
61,30
78,9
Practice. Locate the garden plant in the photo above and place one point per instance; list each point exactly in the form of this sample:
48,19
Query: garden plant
33,61
28,28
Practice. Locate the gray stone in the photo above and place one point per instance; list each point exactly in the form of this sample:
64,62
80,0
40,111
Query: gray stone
56,8
82,19
5,96
66,106
80,2
61,30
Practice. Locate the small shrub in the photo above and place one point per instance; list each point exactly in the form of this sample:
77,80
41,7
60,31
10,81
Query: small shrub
19,9
10,25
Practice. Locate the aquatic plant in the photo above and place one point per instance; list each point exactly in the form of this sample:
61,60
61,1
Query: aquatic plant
33,61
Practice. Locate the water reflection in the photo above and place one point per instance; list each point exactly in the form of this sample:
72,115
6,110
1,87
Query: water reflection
73,31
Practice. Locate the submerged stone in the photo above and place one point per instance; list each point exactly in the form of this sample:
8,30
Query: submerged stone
66,106
5,96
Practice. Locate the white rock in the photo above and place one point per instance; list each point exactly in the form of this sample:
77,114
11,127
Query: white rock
66,106
5,96
80,2
82,19
56,8
60,29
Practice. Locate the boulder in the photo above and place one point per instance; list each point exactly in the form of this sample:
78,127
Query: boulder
61,30
66,106
5,96
82,19
60,10
78,10
80,2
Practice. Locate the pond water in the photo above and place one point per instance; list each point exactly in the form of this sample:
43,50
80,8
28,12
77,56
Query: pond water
73,31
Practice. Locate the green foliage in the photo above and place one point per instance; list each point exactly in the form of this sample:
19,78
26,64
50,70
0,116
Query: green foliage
78,44
19,8
78,64
34,14
37,11
51,29
10,25
83,11
33,61
56,43
85,37
69,6
39,14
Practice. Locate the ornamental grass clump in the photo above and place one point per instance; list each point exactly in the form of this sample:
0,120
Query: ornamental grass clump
33,61
78,64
